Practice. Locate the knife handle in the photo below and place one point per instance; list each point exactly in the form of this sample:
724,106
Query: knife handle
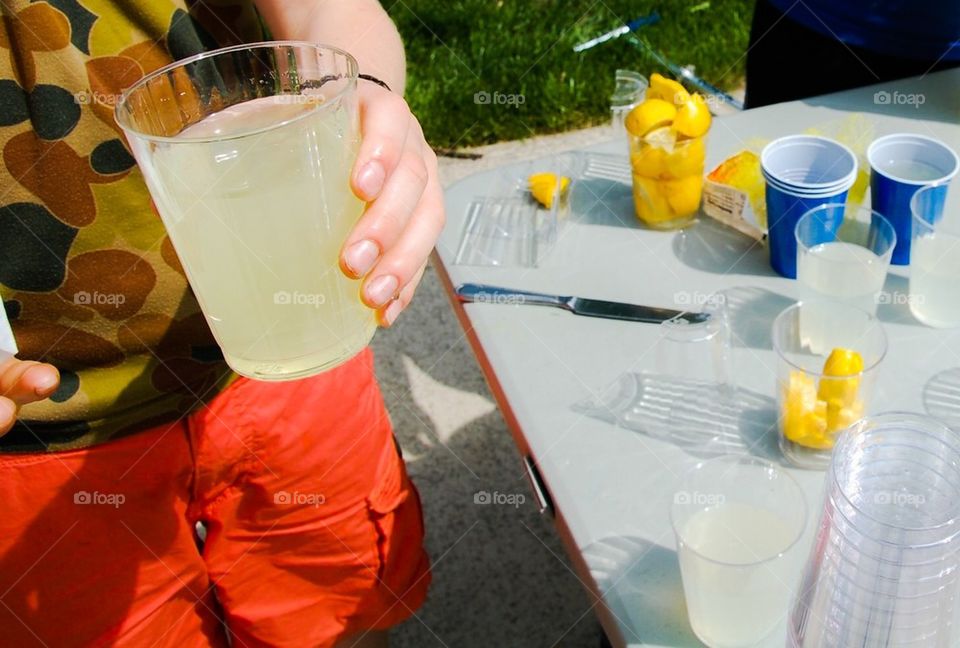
470,292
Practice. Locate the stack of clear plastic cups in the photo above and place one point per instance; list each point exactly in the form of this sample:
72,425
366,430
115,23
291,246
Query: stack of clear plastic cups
884,569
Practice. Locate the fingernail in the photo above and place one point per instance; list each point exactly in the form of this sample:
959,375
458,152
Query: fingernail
382,289
45,384
361,256
370,179
390,315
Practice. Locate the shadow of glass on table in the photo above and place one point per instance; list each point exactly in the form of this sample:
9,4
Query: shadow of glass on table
713,247
751,311
602,201
704,419
641,586
941,397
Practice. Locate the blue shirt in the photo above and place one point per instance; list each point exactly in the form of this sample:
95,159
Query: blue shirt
913,29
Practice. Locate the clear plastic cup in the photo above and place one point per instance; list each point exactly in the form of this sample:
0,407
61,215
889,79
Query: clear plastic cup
850,595
843,253
247,152
696,352
738,520
935,256
815,404
629,91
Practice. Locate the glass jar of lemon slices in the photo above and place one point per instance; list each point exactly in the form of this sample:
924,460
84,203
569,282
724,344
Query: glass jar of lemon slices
667,153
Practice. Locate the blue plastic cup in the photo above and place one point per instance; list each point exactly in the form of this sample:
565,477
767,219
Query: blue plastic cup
802,172
900,164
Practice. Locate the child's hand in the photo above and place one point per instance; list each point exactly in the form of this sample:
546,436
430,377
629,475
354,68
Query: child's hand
23,382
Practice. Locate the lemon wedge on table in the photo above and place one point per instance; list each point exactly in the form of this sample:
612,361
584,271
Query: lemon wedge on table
649,115
545,187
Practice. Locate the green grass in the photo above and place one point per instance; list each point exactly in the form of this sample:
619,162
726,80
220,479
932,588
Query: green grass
456,48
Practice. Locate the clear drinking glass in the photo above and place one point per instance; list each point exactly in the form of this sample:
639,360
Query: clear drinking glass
696,352
843,253
738,521
630,89
828,359
884,569
247,152
935,257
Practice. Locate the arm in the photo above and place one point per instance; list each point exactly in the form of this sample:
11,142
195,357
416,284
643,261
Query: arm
360,27
396,170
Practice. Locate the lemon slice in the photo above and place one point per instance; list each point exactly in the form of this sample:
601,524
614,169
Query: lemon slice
665,138
651,114
667,89
835,385
545,187
693,117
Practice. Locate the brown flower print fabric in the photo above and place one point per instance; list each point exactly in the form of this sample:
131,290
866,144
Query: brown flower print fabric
88,277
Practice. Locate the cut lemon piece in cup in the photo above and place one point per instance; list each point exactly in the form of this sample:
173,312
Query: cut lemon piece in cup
545,187
683,194
687,159
693,117
835,385
651,114
667,89
664,138
649,201
646,160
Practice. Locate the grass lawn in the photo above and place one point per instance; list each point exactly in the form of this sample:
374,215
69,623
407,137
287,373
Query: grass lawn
457,48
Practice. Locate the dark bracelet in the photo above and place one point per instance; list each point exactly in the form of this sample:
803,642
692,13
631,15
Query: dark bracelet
368,77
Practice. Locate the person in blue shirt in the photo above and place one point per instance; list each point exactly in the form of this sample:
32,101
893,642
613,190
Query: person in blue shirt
804,48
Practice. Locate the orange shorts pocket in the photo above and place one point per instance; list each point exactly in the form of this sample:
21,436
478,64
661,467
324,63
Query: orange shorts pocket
403,570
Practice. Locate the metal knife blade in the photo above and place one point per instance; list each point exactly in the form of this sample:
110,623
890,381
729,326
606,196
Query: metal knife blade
578,305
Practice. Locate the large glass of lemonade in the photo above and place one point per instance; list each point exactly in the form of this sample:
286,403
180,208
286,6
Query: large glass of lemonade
247,153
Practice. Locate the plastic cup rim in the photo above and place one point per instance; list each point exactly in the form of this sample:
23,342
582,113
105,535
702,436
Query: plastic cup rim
870,318
841,185
875,144
915,218
351,76
859,208
834,484
815,186
757,462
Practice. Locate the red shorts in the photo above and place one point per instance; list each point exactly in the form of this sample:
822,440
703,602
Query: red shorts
314,531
